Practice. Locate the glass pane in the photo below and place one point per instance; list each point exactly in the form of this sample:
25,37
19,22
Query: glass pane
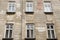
47,26
27,5
6,34
51,26
49,36
31,26
12,7
9,7
28,26
48,9
27,33
31,33
30,5
53,36
10,35
10,26
7,26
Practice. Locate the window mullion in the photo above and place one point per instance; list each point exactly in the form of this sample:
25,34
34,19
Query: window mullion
9,32
33,31
51,33
30,33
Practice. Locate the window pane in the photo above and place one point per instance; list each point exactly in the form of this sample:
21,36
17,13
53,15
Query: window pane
27,33
53,36
48,27
6,34
28,26
31,27
10,35
31,33
49,36
7,26
51,26
11,27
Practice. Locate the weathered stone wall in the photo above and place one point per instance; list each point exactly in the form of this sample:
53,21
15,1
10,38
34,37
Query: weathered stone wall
20,18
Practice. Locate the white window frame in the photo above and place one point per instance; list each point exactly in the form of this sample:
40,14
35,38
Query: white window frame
30,30
11,6
30,6
9,25
47,6
51,32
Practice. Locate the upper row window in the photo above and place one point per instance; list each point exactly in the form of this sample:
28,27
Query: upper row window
11,6
29,6
47,6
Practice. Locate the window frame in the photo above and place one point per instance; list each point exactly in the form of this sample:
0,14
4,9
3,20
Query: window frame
49,8
10,4
9,29
30,35
29,3
51,31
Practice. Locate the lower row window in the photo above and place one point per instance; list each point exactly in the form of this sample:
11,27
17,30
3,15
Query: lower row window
51,31
8,33
30,31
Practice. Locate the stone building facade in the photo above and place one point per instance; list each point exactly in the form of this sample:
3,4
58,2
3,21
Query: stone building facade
29,19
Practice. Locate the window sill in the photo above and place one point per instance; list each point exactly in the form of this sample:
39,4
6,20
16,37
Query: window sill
48,12
10,13
7,38
51,39
30,38
29,12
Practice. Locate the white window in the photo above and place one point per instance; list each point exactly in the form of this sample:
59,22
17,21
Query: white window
47,6
30,30
29,6
51,32
8,33
11,6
